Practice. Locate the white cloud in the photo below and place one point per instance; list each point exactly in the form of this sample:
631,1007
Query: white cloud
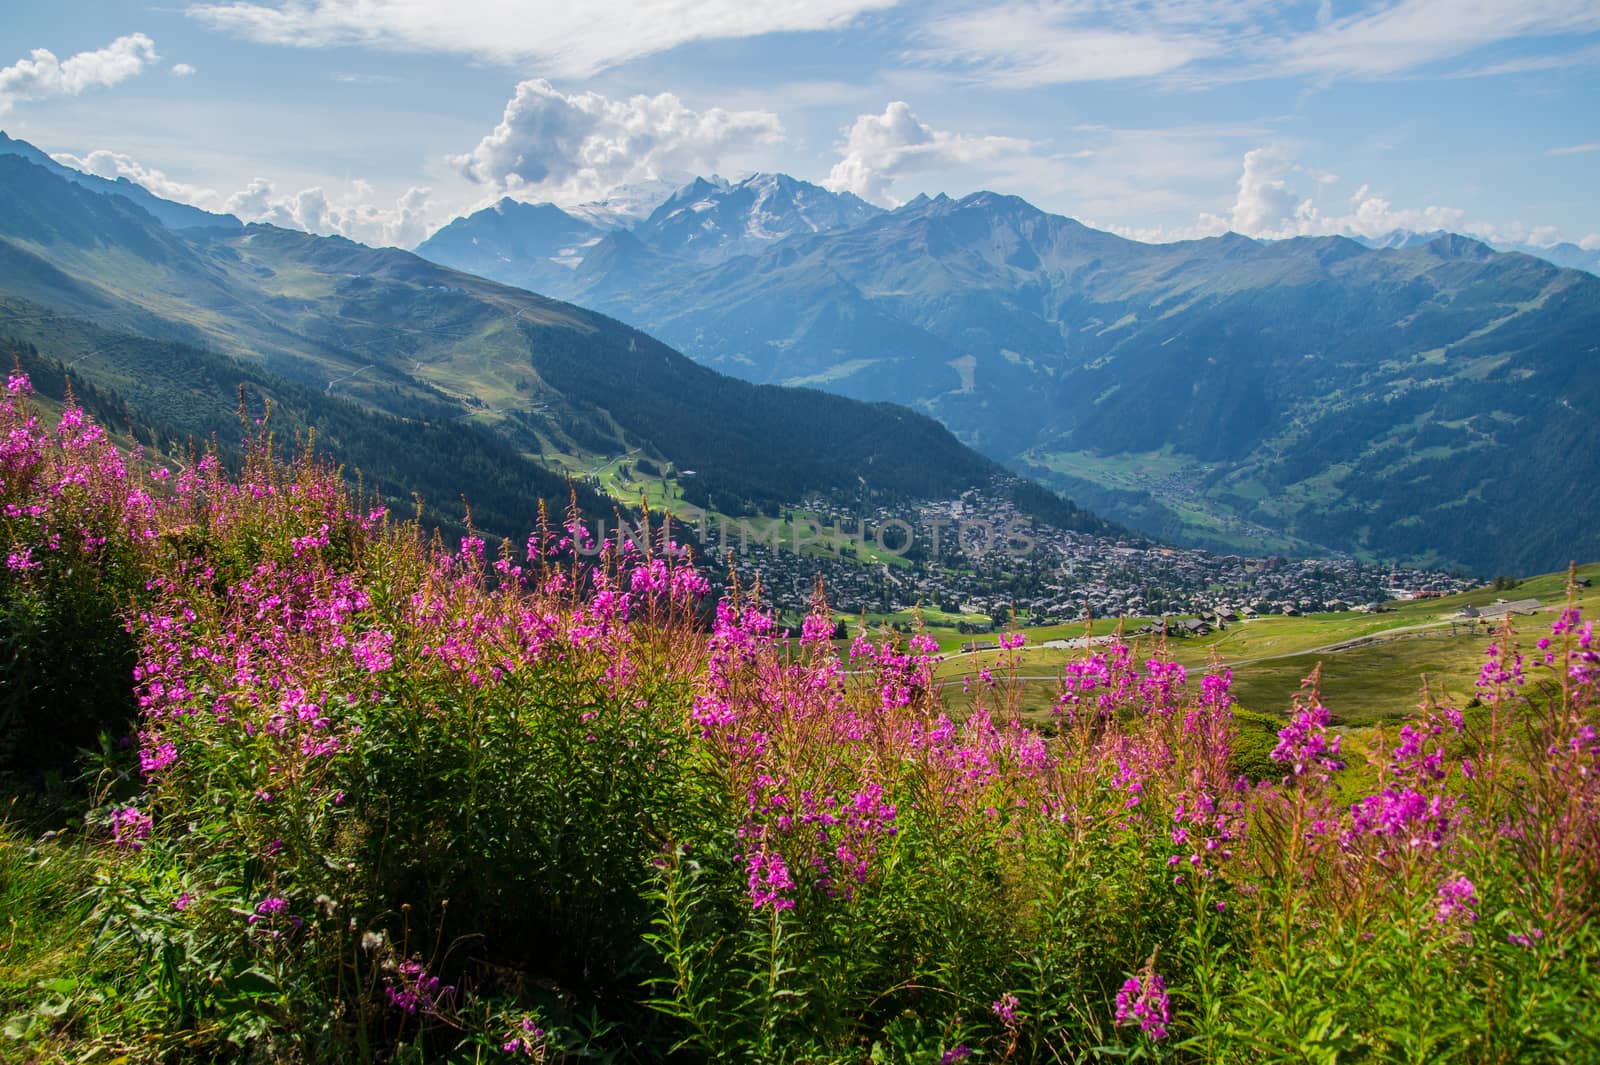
1265,203
1576,149
1268,205
182,70
354,214
571,148
1413,33
43,75
572,40
112,165
1025,43
879,148
349,78
1101,174
1043,43
1530,64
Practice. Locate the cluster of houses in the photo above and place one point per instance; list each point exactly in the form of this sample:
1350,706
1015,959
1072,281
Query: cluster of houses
992,563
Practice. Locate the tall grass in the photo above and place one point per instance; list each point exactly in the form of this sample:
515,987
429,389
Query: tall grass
392,799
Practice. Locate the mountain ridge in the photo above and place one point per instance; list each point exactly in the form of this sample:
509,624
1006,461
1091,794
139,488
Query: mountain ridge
1171,385
169,213
410,339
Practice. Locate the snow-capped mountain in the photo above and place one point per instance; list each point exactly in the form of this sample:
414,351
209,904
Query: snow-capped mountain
710,221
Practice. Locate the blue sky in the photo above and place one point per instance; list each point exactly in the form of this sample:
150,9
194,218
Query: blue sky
1162,119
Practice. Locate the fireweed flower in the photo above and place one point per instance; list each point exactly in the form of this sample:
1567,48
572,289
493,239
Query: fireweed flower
1403,818
527,1039
268,908
372,652
769,880
1143,1001
1525,940
130,828
1419,757
1207,828
816,629
412,988
1161,686
1306,745
1499,670
1457,897
1096,686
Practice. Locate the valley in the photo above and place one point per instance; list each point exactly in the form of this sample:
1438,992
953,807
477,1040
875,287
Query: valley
1313,395
481,399
834,533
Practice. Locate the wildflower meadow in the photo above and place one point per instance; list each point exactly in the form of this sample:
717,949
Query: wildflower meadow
351,793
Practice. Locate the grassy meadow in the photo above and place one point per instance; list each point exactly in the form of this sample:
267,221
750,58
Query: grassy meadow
1373,665
287,780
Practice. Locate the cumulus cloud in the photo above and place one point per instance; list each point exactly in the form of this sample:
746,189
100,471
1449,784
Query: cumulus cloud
1265,204
43,75
1268,204
354,214
182,70
571,40
581,146
113,165
879,148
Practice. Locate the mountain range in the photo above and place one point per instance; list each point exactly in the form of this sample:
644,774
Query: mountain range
1423,397
1420,397
428,379
1565,253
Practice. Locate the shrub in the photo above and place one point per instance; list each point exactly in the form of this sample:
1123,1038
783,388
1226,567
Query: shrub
78,533
398,800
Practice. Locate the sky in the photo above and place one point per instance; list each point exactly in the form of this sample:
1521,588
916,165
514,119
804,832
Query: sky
1158,119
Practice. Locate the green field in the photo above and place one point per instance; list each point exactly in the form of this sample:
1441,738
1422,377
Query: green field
1373,664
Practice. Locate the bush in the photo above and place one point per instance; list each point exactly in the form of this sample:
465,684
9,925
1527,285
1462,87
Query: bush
1255,736
401,801
78,535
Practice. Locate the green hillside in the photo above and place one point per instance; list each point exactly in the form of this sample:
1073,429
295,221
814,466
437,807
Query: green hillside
530,381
